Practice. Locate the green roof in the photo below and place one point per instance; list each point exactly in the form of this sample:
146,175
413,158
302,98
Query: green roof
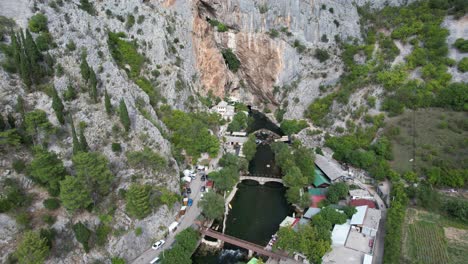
320,178
318,191
253,261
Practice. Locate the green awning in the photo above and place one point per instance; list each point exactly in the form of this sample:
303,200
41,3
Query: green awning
320,178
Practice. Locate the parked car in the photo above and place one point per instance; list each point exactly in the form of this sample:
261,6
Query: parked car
189,191
203,178
155,260
158,244
190,202
203,189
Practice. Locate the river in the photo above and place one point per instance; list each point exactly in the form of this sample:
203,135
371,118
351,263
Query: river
257,210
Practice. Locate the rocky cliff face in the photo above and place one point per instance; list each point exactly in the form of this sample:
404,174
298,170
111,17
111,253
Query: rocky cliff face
274,40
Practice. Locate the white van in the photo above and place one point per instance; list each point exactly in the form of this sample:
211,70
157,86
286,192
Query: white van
155,260
173,226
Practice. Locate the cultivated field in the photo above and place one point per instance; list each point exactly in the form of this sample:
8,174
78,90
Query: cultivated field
432,238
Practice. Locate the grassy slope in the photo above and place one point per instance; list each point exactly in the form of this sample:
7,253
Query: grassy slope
440,134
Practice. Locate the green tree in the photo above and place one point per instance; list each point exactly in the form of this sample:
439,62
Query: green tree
337,191
250,147
123,113
58,107
231,60
83,142
239,122
293,126
188,239
138,201
226,178
93,85
37,125
76,143
304,159
107,103
212,205
32,248
463,65
82,234
47,169
38,23
92,169
294,178
84,68
74,194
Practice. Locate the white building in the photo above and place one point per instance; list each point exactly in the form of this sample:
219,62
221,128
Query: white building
340,234
225,110
371,222
360,194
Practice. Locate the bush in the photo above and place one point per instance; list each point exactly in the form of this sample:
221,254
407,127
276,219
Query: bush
49,219
43,41
38,23
82,234
87,6
138,231
321,54
463,65
273,33
125,53
130,21
461,45
231,60
293,126
102,232
116,147
51,203
19,165
299,46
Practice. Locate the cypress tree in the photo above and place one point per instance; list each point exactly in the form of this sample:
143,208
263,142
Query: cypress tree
84,69
93,83
76,142
20,105
11,120
16,46
2,123
58,107
107,102
34,56
83,143
124,118
25,70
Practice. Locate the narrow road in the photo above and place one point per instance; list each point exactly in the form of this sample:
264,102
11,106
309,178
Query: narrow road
187,220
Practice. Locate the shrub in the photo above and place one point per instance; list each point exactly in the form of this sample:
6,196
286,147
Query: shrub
102,232
273,33
43,41
71,46
38,23
461,45
293,126
138,231
463,65
125,53
231,59
19,165
141,19
324,38
299,46
87,6
321,54
49,219
116,147
51,203
82,234
130,21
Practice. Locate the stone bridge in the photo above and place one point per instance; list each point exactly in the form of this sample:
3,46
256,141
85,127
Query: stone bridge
262,179
266,131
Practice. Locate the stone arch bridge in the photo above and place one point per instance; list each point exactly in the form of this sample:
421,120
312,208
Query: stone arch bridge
262,179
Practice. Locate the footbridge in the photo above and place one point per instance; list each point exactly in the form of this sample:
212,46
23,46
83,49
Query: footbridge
244,244
262,179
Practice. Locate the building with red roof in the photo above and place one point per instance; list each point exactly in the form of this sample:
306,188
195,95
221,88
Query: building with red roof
361,202
315,200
